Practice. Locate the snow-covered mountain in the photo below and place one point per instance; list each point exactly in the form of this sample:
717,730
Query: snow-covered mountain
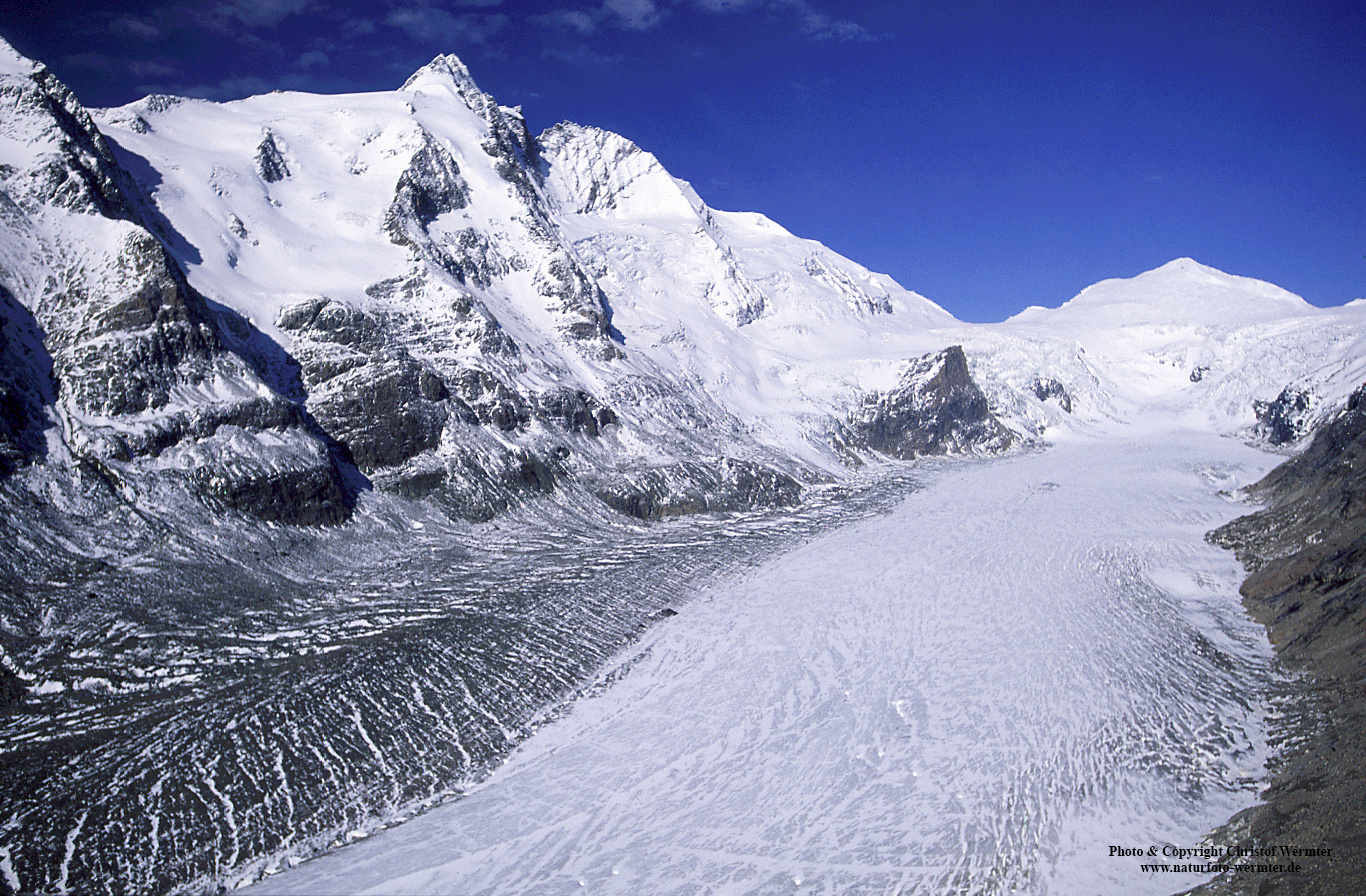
260,296
298,345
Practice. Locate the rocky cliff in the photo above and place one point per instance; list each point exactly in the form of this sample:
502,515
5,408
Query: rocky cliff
1305,553
935,409
113,349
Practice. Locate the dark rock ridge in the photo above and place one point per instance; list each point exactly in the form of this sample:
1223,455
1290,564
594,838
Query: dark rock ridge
936,409
26,386
1045,389
270,164
695,487
1285,419
429,187
82,175
389,410
1305,553
133,366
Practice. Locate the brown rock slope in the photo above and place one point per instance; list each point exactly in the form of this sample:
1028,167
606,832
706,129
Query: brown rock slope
1305,553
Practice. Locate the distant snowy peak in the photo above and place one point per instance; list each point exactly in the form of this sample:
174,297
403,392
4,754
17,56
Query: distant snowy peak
590,171
448,73
1181,292
12,63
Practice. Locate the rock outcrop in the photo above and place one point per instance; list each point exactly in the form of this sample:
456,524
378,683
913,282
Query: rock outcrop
1286,418
1305,553
696,487
936,409
144,385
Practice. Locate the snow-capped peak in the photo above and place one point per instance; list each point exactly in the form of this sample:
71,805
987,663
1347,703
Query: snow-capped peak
12,62
592,171
1181,292
447,74
444,69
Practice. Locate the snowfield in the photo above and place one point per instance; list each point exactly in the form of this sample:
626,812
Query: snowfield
1028,661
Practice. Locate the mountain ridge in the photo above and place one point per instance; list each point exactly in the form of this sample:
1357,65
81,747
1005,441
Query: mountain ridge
490,273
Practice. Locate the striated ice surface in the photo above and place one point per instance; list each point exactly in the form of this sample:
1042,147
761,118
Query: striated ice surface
1026,662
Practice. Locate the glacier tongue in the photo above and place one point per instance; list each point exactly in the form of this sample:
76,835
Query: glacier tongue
1028,661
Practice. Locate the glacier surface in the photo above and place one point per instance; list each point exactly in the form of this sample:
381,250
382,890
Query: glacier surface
1026,661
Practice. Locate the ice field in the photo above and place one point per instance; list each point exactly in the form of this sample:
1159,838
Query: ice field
1028,661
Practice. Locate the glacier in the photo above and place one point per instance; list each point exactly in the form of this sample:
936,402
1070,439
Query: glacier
1021,663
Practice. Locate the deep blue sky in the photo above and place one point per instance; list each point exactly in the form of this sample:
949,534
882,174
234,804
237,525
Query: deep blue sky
987,155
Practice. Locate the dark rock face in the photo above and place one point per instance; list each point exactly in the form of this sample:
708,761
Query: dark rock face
270,164
430,186
936,409
25,385
486,400
83,175
327,321
120,349
372,397
1285,419
12,689
1310,540
578,295
695,487
130,353
474,326
1044,389
391,411
469,485
575,411
1306,555
379,412
311,495
509,141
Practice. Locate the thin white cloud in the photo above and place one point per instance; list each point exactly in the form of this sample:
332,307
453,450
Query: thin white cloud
356,27
150,68
256,13
625,15
574,19
312,58
633,15
819,26
642,15
580,55
726,5
435,25
135,27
